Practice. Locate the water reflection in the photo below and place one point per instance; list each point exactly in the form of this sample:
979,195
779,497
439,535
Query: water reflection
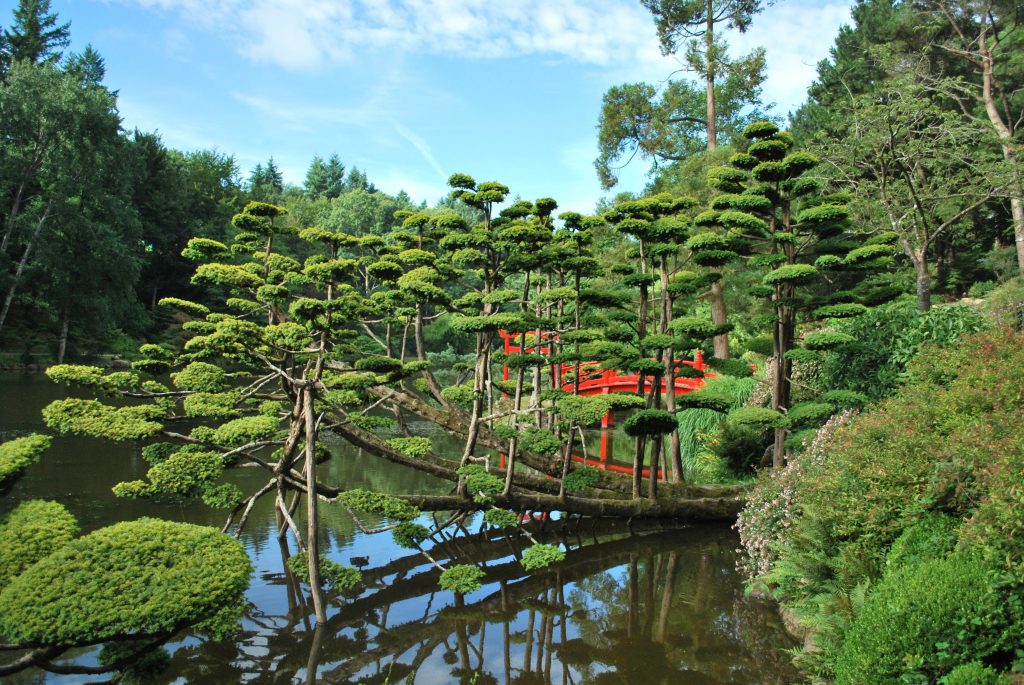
626,606
659,606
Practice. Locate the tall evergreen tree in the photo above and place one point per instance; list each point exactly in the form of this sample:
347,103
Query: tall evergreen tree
693,23
325,179
35,35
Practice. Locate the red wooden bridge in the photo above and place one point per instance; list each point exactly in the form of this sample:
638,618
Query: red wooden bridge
597,381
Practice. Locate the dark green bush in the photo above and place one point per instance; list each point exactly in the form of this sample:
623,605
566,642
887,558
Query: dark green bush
973,673
650,422
933,537
922,619
741,446
17,455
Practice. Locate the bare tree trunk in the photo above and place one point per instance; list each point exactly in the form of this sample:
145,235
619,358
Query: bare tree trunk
9,298
1005,130
312,524
421,355
65,324
719,317
924,283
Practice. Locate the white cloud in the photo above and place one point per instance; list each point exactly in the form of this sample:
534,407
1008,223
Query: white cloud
421,147
617,35
301,34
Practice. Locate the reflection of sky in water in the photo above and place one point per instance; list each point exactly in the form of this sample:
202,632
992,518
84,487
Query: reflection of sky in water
611,613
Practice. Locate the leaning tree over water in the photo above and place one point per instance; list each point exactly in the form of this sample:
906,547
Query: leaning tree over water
323,332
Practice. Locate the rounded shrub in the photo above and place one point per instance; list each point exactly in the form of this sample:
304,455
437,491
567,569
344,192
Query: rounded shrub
972,673
920,620
32,531
139,577
650,422
933,537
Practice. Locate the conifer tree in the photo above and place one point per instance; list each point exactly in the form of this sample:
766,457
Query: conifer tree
35,35
771,211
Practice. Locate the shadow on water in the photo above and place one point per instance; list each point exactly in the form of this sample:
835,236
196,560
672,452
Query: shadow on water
647,605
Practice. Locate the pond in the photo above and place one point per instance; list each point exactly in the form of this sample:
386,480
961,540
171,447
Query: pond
651,604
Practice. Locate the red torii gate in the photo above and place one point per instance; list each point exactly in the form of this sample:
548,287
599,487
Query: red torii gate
597,381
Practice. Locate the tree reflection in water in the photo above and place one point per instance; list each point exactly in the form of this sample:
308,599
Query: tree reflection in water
654,606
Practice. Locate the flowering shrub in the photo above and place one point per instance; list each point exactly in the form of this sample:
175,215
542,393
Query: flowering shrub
772,504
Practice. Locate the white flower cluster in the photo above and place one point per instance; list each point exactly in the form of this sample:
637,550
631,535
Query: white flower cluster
773,504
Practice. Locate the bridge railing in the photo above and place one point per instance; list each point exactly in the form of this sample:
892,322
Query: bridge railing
593,379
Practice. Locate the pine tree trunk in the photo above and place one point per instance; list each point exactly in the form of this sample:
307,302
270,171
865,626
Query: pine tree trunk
719,318
709,46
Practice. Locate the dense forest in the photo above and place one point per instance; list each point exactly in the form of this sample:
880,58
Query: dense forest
852,279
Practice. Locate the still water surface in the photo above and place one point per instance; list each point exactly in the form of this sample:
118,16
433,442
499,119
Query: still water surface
651,605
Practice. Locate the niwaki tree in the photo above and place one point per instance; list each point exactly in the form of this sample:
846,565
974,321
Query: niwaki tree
300,348
771,211
685,119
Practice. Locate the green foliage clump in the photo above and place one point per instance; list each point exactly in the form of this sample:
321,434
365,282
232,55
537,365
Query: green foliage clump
186,473
501,518
245,430
133,489
971,673
740,446
222,496
731,367
827,340
95,419
650,422
921,621
809,414
211,405
288,336
761,344
378,503
32,531
77,374
139,577
479,481
539,441
932,537
846,398
409,534
758,418
332,574
201,377
458,394
461,578
840,311
187,306
582,410
415,447
791,274
18,454
541,556
581,479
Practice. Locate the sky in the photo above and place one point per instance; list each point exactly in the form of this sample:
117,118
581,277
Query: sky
411,91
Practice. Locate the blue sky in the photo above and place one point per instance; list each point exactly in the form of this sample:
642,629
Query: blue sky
410,91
